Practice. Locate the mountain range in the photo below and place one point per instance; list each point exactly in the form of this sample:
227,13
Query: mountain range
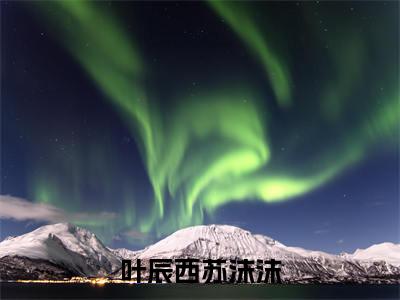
63,250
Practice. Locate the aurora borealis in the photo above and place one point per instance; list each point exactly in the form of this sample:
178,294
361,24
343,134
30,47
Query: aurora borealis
168,114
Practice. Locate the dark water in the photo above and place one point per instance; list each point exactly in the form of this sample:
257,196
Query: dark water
192,291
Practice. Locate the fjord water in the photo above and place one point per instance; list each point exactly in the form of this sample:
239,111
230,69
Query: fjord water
196,291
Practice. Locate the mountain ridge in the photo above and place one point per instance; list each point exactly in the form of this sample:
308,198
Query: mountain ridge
71,247
77,251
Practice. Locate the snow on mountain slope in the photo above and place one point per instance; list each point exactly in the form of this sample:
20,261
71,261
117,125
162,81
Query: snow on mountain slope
388,252
267,240
311,253
9,238
64,244
214,241
124,253
66,249
298,264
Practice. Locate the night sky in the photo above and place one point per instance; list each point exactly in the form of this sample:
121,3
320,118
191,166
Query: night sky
136,119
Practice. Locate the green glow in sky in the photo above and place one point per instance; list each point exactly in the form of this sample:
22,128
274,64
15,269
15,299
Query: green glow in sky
221,146
238,15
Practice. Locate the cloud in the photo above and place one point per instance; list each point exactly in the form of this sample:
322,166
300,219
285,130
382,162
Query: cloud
23,210
321,231
341,241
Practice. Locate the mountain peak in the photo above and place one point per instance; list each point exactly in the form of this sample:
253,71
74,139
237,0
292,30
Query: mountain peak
384,251
213,230
75,250
58,227
64,244
214,241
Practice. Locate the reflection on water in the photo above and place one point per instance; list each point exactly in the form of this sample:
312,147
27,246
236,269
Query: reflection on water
196,291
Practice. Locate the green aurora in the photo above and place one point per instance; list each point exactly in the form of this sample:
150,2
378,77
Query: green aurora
226,144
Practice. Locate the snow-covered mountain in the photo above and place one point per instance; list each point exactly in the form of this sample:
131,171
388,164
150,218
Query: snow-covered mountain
299,265
388,252
123,253
64,249
69,247
216,241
